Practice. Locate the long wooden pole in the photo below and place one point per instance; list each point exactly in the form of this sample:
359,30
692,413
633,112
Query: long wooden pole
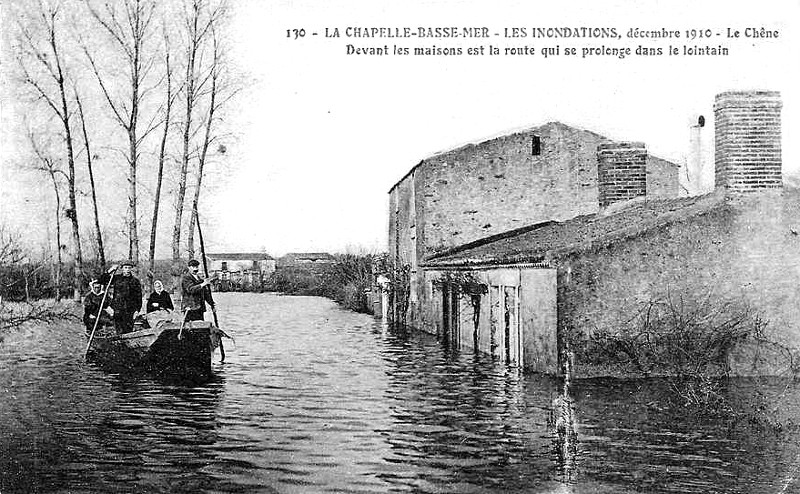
97,319
205,271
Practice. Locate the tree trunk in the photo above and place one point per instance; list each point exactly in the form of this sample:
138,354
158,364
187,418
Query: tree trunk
176,233
133,234
133,231
204,152
73,211
193,213
160,177
190,85
98,233
59,262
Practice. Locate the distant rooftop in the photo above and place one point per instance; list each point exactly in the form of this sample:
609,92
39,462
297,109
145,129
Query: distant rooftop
309,256
240,256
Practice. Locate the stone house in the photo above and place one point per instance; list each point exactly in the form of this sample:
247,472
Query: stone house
240,270
547,173
521,294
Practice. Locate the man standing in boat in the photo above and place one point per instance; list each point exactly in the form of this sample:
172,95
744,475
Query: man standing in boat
126,299
195,292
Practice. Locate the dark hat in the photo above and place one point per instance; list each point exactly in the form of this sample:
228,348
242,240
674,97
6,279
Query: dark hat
127,262
194,262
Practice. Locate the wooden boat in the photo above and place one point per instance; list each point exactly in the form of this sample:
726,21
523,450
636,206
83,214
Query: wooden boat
165,350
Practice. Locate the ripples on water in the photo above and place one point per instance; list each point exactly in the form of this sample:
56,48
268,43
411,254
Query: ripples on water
317,399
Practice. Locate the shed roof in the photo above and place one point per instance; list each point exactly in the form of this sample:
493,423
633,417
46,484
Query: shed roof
551,240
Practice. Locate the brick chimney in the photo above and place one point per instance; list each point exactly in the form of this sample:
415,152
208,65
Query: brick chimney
747,134
621,172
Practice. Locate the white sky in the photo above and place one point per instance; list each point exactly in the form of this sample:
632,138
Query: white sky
322,136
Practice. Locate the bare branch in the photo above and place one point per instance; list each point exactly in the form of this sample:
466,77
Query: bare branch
31,81
112,26
15,315
122,121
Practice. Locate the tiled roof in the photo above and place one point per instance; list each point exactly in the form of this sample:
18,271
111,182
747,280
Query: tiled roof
551,240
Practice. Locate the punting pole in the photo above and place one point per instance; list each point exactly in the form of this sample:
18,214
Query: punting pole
205,270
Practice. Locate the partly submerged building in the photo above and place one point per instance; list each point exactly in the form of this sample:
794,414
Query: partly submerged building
575,267
547,173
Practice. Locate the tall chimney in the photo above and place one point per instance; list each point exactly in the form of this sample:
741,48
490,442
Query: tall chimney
693,178
621,171
747,153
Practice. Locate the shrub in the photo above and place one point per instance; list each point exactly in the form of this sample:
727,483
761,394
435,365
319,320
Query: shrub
676,336
345,281
691,342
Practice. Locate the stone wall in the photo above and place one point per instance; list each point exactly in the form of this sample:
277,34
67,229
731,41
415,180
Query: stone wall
745,250
499,185
478,325
481,190
403,245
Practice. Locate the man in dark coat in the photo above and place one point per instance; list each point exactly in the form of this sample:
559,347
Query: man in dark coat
127,297
91,307
195,293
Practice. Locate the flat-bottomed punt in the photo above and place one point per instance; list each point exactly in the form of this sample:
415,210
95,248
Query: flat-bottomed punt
164,350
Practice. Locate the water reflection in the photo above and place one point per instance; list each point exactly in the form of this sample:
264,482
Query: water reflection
317,399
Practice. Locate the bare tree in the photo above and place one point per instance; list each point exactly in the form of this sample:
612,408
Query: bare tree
98,232
42,63
10,251
221,91
128,24
199,20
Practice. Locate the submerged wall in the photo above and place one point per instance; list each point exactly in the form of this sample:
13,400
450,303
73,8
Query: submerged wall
522,299
746,249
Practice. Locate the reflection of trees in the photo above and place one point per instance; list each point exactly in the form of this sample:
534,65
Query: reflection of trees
71,428
636,440
563,422
157,427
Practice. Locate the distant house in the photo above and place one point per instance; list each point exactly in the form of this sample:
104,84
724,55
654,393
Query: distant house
241,271
306,259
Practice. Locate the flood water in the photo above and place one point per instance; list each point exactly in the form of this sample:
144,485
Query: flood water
314,398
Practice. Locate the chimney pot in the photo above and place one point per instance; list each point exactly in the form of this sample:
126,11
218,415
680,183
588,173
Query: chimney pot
621,171
748,140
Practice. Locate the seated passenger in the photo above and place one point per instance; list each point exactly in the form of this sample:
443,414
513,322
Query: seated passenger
159,299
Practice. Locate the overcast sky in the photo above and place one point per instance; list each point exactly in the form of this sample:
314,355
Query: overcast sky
322,136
